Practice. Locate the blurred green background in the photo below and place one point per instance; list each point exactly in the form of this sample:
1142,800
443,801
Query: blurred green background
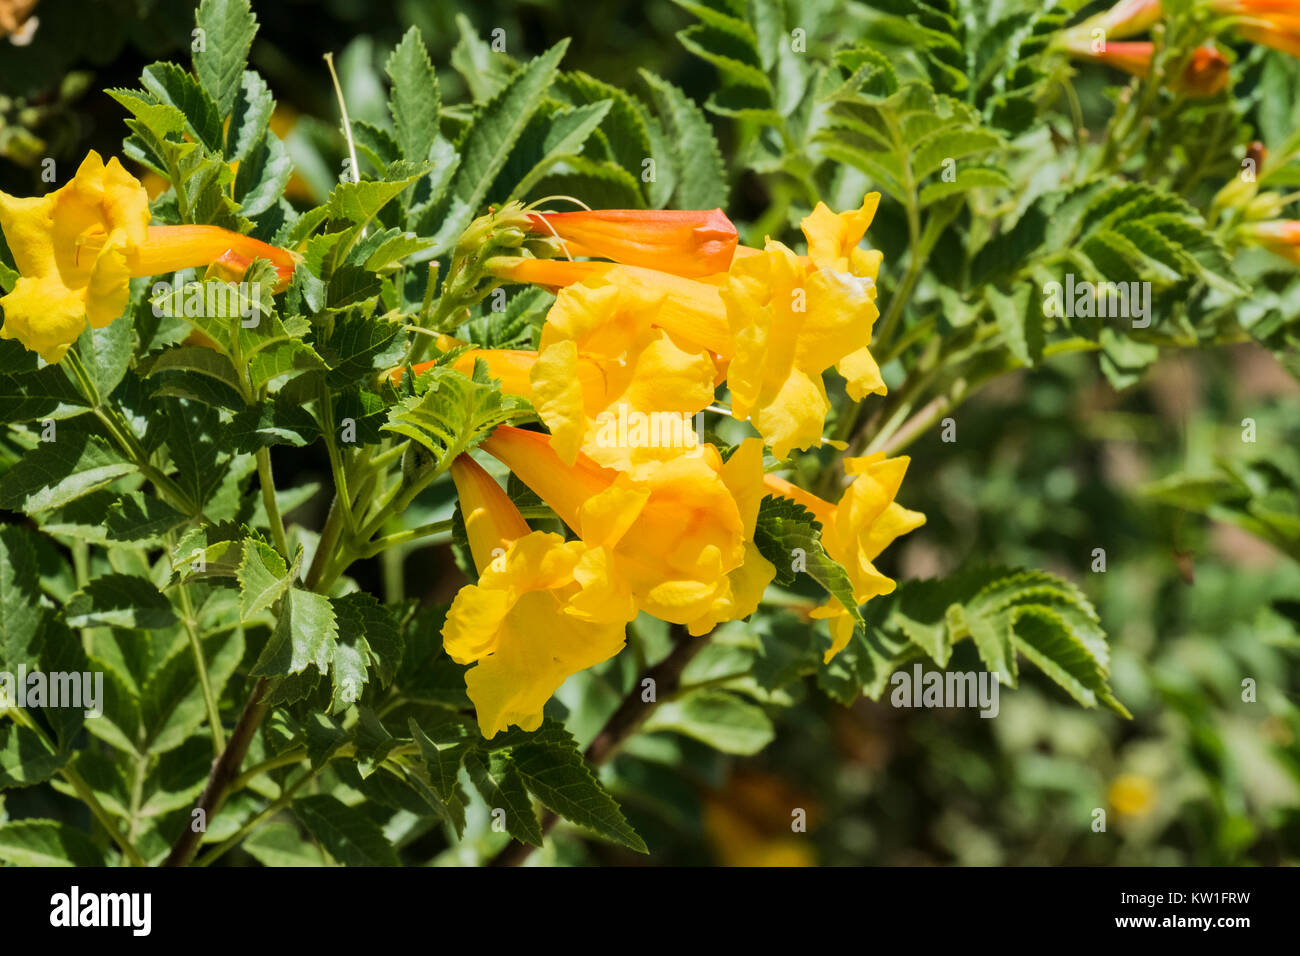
1047,467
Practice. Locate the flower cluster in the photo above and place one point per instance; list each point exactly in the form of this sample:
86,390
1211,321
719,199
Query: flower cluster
673,309
664,308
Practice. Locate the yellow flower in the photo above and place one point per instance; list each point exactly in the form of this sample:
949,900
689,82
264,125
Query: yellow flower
833,240
71,248
77,248
866,520
606,381
649,386
690,310
543,609
1131,795
679,534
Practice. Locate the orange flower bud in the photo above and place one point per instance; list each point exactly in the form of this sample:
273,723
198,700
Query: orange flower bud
1278,236
684,242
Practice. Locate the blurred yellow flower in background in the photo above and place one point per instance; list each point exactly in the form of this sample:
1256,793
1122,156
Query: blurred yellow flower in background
1131,795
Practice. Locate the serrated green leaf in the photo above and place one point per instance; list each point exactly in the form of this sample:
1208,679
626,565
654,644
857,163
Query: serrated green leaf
172,705
56,472
454,413
228,29
25,759
486,146
499,784
785,531
120,600
555,772
414,101
170,85
304,635
700,174
263,578
20,611
348,835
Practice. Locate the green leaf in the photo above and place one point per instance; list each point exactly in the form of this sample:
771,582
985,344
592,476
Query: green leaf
304,635
548,142
263,176
486,145
358,203
278,421
263,578
106,353
172,706
20,610
555,772
360,346
38,395
367,623
280,844
623,127
34,842
700,173
484,71
442,762
228,28
346,833
789,536
1021,326
414,101
172,86
120,600
1038,614
25,759
497,780
251,116
723,721
56,472
195,439
454,414
967,178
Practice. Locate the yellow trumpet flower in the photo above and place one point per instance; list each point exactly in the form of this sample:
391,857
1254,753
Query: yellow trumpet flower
77,247
542,610
679,534
855,531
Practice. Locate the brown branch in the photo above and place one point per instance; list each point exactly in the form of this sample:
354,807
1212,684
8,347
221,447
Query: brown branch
224,771
622,724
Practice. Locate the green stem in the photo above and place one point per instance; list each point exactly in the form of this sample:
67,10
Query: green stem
84,793
201,669
267,480
271,810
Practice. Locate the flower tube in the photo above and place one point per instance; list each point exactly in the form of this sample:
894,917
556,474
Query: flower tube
683,242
